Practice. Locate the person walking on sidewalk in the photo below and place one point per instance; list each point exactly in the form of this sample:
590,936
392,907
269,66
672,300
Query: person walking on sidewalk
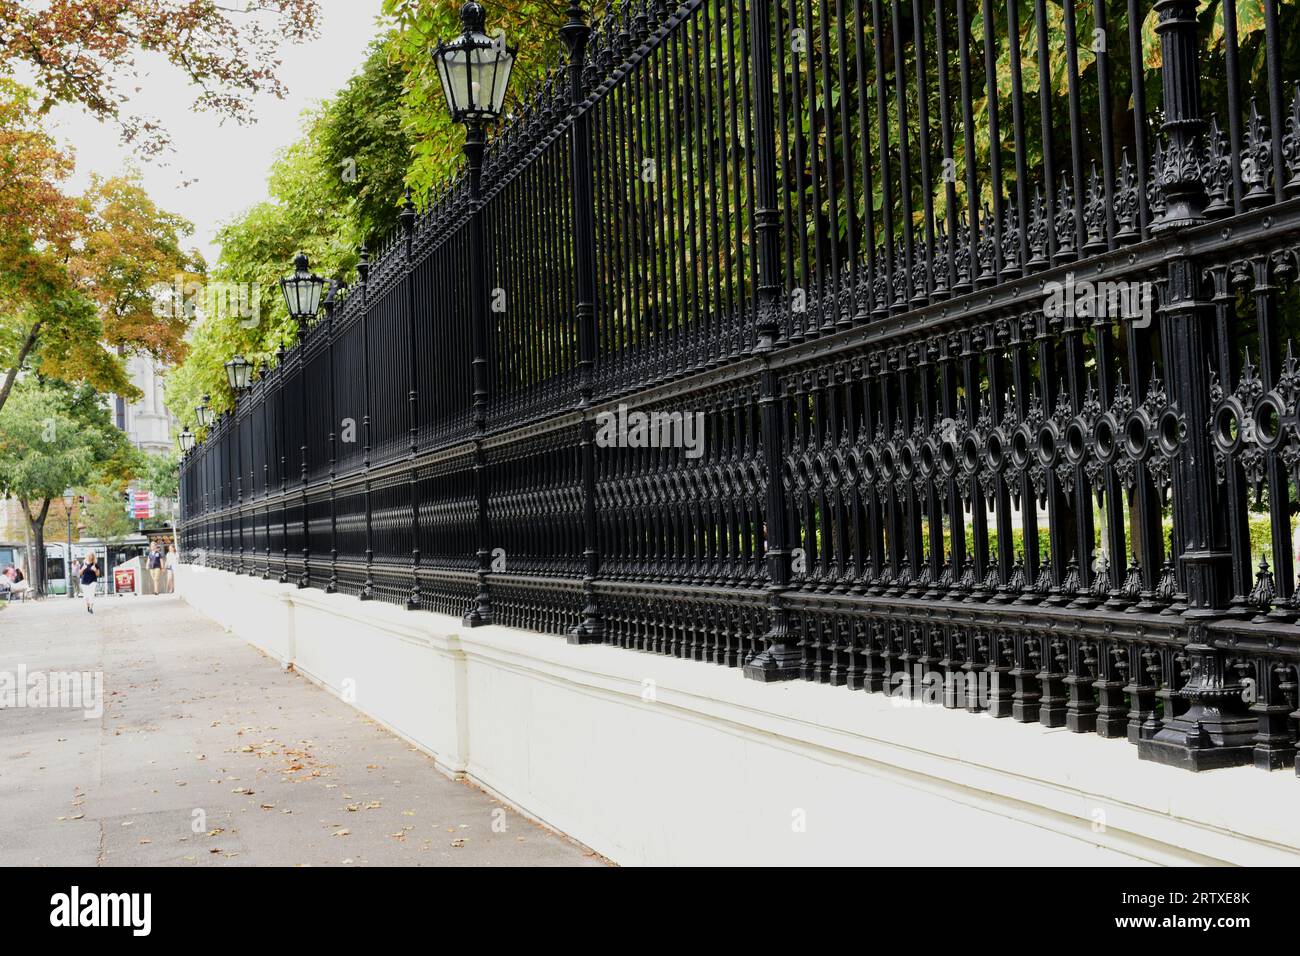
155,560
89,580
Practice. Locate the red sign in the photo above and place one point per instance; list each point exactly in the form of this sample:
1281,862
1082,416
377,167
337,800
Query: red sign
124,579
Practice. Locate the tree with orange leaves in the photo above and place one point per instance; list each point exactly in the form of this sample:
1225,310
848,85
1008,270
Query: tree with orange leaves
80,273
84,51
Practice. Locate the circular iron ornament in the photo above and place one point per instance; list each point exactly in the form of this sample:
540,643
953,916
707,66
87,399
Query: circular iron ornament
1077,434
970,454
1139,431
888,461
819,472
927,458
1227,430
1105,441
1171,432
948,458
995,449
1048,447
1271,420
836,470
1022,440
870,463
788,470
853,465
907,460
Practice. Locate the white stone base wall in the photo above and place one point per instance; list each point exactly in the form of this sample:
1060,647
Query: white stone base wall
651,760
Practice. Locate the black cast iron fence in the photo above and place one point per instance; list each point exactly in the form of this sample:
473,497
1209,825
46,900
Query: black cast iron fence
967,325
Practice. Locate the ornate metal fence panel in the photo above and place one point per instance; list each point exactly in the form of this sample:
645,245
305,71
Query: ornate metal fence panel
940,349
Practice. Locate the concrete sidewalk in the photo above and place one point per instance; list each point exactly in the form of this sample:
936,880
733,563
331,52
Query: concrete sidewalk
208,753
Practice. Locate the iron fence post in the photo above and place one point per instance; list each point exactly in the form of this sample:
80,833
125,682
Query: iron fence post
575,33
284,474
1215,730
363,269
779,660
333,584
414,599
304,579
481,613
1179,178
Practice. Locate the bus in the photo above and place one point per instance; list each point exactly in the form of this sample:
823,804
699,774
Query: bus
57,563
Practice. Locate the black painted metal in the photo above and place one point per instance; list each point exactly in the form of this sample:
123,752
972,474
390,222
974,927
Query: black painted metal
836,230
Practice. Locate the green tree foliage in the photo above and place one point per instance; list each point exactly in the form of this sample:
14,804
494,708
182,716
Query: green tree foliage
161,475
104,516
342,182
54,437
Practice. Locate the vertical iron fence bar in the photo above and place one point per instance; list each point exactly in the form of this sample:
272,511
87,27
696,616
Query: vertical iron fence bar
833,316
995,134
949,162
1226,350
1234,105
968,142
1104,124
865,283
1045,126
923,126
882,151
849,309
1273,69
904,154
1136,74
1018,130
1076,124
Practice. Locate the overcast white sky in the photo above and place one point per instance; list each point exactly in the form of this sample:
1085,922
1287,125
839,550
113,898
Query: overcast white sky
217,170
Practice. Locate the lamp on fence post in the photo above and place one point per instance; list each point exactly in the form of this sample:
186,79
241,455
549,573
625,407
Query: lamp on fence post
475,71
239,373
203,414
302,292
302,296
68,498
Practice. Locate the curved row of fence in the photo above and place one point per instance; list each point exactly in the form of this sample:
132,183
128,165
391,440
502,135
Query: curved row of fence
911,346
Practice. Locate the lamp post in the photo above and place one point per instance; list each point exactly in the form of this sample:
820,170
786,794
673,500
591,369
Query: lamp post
302,292
475,71
239,373
68,498
203,413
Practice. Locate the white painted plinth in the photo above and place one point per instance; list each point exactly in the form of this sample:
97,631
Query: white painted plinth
653,760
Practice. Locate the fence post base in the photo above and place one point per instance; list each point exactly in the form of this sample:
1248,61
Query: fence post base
1215,731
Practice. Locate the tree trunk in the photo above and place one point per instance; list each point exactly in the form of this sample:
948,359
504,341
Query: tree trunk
36,553
29,342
